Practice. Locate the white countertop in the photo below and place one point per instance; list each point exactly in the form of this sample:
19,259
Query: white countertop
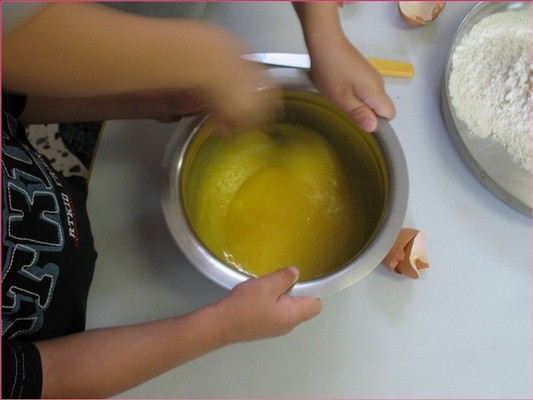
463,330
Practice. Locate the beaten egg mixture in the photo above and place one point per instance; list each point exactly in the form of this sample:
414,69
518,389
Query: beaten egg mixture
260,201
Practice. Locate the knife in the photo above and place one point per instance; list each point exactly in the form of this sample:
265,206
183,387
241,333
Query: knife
303,61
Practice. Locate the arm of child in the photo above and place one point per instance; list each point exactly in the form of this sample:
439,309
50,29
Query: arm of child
97,51
104,362
339,70
161,105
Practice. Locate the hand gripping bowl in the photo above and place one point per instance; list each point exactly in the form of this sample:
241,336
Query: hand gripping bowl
374,160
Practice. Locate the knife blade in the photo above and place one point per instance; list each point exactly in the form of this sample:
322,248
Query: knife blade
385,67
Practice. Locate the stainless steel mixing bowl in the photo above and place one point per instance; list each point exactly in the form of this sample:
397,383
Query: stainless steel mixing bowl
376,156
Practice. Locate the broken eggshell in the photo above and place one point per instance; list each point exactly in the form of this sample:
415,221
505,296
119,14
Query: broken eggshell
417,13
408,254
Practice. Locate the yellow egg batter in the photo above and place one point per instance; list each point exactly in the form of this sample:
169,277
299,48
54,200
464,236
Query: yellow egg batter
261,200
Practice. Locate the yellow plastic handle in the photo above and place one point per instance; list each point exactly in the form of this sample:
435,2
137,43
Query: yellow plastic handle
392,68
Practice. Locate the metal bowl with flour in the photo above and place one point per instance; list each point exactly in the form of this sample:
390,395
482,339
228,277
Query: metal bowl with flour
487,158
375,159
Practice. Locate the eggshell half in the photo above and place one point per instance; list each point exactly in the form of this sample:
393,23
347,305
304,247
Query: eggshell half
408,254
417,13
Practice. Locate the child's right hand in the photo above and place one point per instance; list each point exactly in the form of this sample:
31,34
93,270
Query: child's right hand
239,93
260,308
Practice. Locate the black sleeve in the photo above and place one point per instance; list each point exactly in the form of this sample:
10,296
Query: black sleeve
13,103
21,370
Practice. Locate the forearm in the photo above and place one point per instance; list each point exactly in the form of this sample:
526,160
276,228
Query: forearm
163,105
44,110
320,23
105,362
100,51
97,51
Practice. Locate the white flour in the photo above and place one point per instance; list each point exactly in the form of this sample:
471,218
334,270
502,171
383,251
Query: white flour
490,81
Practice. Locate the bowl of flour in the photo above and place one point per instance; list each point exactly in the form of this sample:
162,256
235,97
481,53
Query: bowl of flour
486,98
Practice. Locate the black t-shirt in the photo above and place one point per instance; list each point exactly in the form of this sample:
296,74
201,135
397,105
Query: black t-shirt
48,255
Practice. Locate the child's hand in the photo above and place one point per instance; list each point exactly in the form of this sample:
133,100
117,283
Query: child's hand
237,92
344,76
259,307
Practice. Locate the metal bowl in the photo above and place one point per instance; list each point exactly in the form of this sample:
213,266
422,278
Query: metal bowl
379,155
489,161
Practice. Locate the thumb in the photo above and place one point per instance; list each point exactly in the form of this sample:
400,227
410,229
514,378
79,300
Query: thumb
382,105
282,280
364,113
296,309
363,116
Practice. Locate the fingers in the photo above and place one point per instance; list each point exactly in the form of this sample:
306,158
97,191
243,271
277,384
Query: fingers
365,114
251,99
260,308
300,309
344,76
296,309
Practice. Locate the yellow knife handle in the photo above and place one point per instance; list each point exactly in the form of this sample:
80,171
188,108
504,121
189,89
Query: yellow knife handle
392,68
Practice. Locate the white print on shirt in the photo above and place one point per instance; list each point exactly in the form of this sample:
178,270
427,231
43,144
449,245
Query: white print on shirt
50,171
70,217
29,199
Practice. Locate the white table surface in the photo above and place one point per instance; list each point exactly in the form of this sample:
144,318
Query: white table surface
463,330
